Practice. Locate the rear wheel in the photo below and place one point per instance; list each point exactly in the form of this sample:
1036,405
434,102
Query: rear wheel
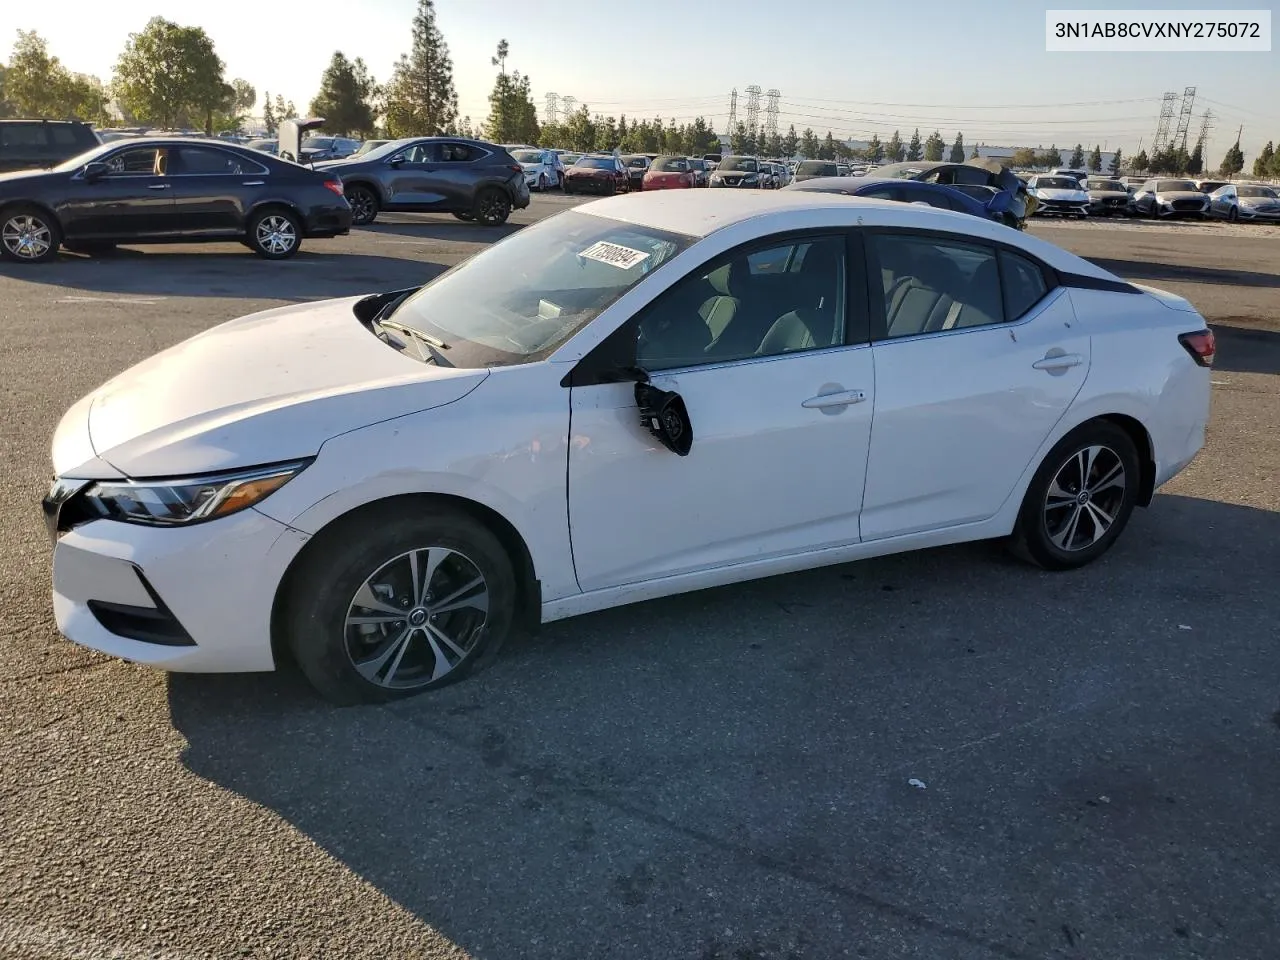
274,234
29,235
1233,215
542,182
492,208
364,205
407,601
1080,499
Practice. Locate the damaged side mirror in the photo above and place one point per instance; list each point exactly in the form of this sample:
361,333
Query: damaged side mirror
664,414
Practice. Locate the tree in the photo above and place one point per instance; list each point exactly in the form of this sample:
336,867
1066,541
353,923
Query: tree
976,154
773,145
875,149
1114,166
1233,162
809,145
346,97
934,146
269,119
1195,163
169,74
421,99
36,84
738,138
1077,158
285,110
513,118
1051,157
1262,166
1025,157
957,149
790,143
1141,163
6,108
894,150
1095,159
498,119
580,129
827,150
702,139
913,147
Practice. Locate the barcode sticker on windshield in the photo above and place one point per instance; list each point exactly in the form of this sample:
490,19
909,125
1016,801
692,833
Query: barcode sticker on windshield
624,258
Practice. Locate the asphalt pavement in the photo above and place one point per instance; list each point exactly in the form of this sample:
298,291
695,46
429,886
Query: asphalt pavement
939,755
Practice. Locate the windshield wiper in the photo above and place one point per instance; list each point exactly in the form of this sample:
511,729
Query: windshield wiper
432,344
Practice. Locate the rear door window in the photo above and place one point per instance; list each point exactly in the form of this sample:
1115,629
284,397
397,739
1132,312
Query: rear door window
27,137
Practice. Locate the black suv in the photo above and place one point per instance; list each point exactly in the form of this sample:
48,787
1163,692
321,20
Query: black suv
32,144
470,179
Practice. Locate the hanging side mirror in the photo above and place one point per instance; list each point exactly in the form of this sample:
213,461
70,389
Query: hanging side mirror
664,414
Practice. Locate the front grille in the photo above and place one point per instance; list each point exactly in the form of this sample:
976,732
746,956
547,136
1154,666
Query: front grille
1062,205
155,625
1188,204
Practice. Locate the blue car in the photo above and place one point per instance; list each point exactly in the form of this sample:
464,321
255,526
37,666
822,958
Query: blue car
985,202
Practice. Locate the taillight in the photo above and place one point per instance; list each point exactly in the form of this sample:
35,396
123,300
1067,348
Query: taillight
1200,345
514,168
335,186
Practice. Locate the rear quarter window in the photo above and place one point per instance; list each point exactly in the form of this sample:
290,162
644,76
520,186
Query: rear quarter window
23,135
1023,282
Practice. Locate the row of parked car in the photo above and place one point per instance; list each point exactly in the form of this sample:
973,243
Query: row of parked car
1078,194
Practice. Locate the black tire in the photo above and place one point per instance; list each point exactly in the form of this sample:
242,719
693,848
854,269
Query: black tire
1154,213
542,183
564,185
492,208
466,217
274,234
28,234
1233,215
322,590
1044,534
364,204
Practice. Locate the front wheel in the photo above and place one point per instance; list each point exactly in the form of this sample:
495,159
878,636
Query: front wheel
1080,499
492,208
274,234
364,205
542,182
1233,215
29,235
398,601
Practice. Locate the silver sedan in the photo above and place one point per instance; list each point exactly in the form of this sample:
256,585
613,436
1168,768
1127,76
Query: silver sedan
1245,201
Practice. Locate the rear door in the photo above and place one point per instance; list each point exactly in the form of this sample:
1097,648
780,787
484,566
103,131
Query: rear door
977,358
213,190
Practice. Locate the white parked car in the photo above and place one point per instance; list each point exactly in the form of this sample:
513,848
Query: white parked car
543,169
1063,196
638,397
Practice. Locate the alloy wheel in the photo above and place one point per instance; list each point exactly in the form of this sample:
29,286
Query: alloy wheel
416,618
276,234
362,207
1084,498
26,237
493,208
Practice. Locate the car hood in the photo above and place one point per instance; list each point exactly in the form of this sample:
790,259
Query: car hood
1108,194
1182,195
348,163
268,387
1049,193
14,177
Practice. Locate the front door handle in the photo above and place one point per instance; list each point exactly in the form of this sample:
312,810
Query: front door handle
158,186
253,183
1061,362
842,399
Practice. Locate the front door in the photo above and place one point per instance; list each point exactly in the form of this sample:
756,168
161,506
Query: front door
133,200
413,182
768,352
976,361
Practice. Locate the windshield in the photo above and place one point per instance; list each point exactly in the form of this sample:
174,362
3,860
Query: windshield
1261,192
670,165
1057,183
519,299
637,161
1107,185
744,164
1176,186
598,163
817,168
528,156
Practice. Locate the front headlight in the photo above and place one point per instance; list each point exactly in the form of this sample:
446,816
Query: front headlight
716,178
187,499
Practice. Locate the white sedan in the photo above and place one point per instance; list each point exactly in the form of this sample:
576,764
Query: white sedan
638,397
542,168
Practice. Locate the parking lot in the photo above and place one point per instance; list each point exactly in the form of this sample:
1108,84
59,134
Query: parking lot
945,754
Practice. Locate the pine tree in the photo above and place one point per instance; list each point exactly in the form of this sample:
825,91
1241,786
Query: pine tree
809,145
790,143
1052,158
1262,166
346,97
1115,163
738,139
420,98
1142,163
894,151
513,118
976,152
913,148
933,147
1195,163
875,149
957,149
1095,159
828,149
1077,158
1233,162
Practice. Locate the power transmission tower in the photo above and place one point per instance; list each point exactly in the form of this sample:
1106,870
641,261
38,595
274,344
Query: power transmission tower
1166,120
753,109
771,114
566,106
553,112
1206,124
733,111
1184,118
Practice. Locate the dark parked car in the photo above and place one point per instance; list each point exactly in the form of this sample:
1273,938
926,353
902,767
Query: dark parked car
637,165
738,172
597,174
976,177
470,179
33,144
812,169
903,191
160,190
318,149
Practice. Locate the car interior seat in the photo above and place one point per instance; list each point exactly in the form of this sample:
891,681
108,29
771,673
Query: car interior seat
815,322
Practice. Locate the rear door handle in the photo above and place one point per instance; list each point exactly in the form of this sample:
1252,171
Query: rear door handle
842,399
158,186
1060,362
253,183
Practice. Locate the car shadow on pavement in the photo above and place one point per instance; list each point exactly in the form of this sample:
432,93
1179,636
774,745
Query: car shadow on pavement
1142,270
231,272
1246,349
436,229
937,754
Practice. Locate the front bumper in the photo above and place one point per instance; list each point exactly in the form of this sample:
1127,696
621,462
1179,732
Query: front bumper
194,599
521,197
1062,208
1249,213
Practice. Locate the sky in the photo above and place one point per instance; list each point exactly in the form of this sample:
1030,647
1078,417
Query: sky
853,68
